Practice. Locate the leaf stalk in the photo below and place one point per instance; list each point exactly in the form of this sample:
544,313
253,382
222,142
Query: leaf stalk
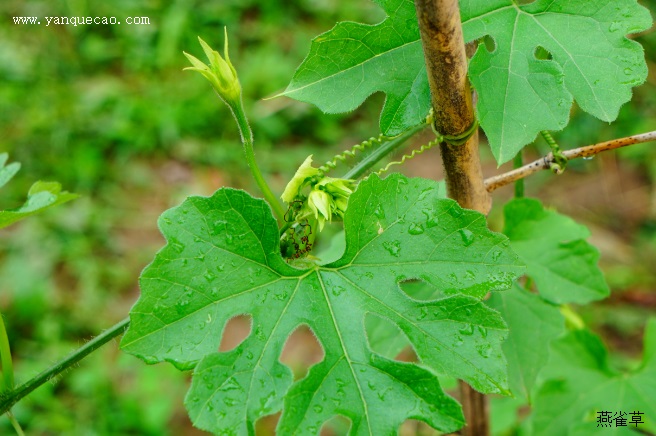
11,397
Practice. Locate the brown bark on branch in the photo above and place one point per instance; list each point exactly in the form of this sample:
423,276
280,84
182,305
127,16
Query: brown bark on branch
545,162
446,63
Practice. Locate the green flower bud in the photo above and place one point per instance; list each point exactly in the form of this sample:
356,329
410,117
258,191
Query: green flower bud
220,72
320,203
302,177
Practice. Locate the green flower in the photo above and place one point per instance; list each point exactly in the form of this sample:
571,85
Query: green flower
303,175
220,72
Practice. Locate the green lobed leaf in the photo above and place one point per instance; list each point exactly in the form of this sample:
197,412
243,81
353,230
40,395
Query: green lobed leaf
352,61
563,265
580,383
519,92
533,324
41,195
593,63
222,259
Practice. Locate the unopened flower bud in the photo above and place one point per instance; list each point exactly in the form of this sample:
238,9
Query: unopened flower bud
220,72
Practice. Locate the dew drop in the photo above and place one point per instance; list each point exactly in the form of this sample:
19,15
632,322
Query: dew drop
209,276
231,385
337,290
588,158
317,408
458,341
282,296
468,330
455,211
483,331
423,312
467,236
181,305
176,245
496,255
379,211
415,229
393,248
484,350
615,26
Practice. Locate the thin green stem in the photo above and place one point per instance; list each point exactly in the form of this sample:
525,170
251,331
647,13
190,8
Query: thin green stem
15,424
247,140
519,184
9,398
5,360
375,156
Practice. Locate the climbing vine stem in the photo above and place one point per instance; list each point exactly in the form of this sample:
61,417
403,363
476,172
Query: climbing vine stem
247,140
11,397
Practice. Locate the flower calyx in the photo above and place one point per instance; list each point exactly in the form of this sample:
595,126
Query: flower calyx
327,198
220,72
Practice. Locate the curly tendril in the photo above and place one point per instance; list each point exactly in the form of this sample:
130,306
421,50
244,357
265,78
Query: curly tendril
331,164
414,153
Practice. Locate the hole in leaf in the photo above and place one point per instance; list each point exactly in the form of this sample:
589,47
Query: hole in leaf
420,290
490,44
412,427
335,426
542,54
387,339
267,424
236,330
301,351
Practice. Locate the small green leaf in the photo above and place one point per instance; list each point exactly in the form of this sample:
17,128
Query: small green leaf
41,195
223,259
7,172
533,324
579,382
352,61
562,264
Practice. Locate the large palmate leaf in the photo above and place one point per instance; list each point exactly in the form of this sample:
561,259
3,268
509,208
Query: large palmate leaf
580,383
593,62
563,265
519,93
222,259
533,324
352,61
41,195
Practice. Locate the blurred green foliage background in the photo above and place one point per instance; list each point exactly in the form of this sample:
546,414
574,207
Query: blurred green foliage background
108,112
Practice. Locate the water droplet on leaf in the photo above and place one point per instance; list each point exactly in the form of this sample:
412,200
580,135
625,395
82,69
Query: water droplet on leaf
415,229
467,236
468,330
393,248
